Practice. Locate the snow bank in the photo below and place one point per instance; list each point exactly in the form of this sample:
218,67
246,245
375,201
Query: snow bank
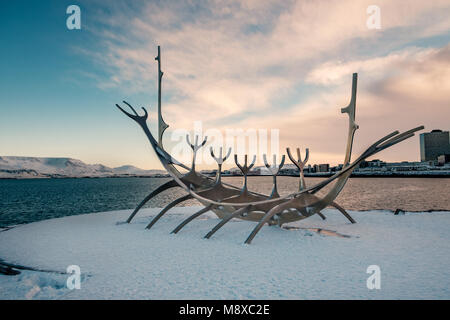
125,261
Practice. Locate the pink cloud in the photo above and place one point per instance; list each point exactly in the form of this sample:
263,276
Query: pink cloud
215,69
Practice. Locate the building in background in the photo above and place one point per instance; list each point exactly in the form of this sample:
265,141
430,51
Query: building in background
376,163
324,167
443,159
434,144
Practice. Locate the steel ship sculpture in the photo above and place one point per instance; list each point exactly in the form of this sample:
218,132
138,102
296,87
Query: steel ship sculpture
228,201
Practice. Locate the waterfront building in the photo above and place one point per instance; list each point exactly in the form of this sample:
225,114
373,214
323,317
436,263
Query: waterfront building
443,159
434,144
324,167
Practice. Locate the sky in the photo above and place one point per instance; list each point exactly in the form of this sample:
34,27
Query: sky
233,65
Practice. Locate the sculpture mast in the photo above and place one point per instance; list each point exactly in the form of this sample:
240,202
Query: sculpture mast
351,110
161,124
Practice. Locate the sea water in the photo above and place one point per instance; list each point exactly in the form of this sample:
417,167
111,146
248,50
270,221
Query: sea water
24,201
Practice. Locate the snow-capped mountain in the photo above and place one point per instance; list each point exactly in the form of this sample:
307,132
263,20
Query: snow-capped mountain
135,170
33,167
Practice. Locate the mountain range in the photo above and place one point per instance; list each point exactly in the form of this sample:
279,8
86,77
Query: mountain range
35,167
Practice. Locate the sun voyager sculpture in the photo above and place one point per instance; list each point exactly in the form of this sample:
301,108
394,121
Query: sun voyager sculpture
228,201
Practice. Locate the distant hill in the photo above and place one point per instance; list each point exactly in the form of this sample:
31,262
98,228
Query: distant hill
135,170
34,167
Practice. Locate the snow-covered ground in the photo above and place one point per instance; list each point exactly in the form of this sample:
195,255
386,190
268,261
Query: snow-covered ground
127,261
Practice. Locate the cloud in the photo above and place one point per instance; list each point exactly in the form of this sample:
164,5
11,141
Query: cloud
244,63
410,88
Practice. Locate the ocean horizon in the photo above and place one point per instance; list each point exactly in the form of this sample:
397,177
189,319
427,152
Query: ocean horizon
30,200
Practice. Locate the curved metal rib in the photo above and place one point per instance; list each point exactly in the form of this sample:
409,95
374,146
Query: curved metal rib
342,210
235,214
167,208
277,209
305,206
301,204
320,214
192,217
161,188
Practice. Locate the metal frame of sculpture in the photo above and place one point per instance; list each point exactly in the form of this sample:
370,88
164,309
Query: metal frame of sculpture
228,201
